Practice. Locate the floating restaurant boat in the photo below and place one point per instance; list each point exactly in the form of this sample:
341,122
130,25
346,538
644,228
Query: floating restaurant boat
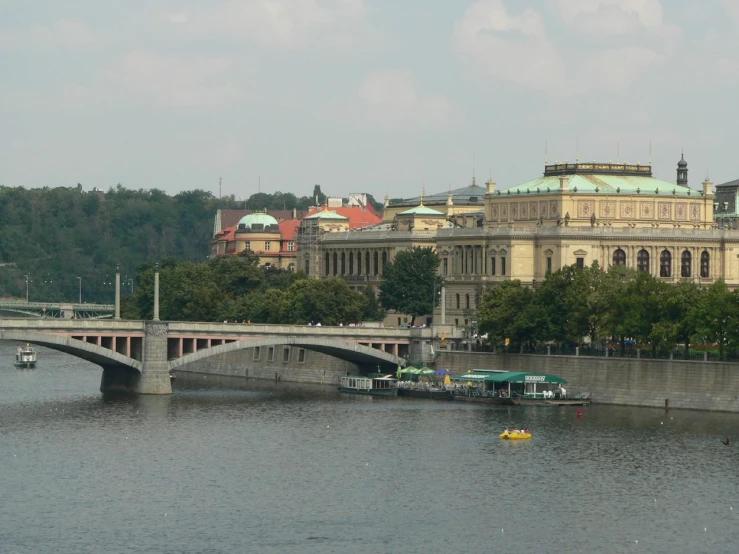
430,392
515,388
25,356
379,386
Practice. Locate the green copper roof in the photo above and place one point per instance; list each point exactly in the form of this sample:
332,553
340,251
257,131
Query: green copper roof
258,218
421,210
606,184
326,214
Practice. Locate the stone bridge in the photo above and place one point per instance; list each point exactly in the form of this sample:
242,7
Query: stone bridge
137,356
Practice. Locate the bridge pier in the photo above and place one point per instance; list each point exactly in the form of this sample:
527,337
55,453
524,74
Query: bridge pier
154,376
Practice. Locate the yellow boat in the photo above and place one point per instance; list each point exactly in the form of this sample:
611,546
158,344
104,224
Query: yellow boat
514,435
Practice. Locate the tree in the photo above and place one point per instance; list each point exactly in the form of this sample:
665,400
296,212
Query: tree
508,311
373,311
716,314
410,281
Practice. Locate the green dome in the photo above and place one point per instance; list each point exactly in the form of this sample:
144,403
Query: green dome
257,218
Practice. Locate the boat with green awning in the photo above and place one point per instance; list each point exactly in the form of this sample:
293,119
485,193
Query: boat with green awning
515,388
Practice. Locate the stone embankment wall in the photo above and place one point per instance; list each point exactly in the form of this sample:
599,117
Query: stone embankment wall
710,386
290,364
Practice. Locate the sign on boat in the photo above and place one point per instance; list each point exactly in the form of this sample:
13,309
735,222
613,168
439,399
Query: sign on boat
515,388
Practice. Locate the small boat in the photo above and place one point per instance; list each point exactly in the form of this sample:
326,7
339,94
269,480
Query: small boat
515,435
434,394
25,356
380,386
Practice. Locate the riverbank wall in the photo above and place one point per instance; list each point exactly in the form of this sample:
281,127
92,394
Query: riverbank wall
710,386
286,363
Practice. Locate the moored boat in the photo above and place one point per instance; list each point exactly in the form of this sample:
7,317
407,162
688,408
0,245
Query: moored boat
515,388
25,356
434,394
379,386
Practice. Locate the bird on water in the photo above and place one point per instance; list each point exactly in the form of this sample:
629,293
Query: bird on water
725,441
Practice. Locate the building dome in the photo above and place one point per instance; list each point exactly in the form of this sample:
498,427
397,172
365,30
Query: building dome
682,162
257,221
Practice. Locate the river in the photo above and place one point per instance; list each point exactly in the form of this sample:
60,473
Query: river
225,465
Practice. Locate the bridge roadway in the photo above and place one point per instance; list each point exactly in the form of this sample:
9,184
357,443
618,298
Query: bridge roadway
65,310
137,356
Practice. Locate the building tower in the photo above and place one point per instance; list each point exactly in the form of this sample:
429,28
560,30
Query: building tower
682,171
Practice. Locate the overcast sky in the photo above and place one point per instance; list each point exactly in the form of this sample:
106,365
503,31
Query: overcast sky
379,96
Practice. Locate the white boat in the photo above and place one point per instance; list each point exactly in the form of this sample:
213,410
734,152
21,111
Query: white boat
25,356
382,386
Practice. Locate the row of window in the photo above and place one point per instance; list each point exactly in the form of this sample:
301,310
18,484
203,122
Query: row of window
665,262
340,263
493,266
268,245
257,354
466,301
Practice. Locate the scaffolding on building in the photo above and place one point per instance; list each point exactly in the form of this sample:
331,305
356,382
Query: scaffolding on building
310,246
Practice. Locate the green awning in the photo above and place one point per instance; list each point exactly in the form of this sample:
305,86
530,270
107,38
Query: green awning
509,377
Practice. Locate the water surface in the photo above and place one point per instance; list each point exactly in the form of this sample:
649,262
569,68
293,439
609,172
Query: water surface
226,465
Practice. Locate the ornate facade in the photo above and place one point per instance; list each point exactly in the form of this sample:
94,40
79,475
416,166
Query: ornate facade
615,214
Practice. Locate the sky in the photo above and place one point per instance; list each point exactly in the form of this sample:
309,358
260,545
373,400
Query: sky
381,96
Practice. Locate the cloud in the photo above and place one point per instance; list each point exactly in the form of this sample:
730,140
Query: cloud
64,33
616,17
390,99
511,48
515,48
276,23
166,81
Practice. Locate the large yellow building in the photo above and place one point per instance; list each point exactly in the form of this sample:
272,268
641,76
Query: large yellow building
615,214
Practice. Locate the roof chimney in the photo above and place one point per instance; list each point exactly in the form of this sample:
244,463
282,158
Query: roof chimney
564,182
707,187
491,186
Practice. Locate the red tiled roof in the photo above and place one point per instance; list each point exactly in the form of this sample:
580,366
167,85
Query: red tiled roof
356,215
288,229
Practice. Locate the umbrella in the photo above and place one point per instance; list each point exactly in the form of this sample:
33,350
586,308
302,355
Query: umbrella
442,372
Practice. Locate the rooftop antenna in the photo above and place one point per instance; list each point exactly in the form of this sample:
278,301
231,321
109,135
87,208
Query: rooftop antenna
474,181
546,152
650,151
577,149
618,152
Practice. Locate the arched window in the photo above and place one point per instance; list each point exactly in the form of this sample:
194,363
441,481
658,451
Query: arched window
351,263
642,260
343,263
384,262
457,300
686,260
336,263
705,264
359,263
467,301
328,264
377,263
366,263
665,264
619,257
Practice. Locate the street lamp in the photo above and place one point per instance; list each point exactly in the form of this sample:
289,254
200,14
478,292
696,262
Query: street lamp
80,280
28,280
130,282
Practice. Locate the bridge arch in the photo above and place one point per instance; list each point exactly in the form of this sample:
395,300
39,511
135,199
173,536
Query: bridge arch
99,355
345,350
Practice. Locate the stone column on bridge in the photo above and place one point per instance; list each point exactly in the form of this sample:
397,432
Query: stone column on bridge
117,291
155,367
156,293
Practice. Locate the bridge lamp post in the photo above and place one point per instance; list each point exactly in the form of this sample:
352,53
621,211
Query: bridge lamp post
80,280
28,281
130,283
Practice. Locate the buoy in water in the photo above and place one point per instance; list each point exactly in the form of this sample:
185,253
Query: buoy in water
579,411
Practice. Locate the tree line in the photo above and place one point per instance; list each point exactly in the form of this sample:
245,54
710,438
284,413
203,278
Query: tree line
237,288
619,305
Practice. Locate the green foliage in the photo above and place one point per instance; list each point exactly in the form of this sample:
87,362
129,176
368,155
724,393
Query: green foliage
288,201
619,304
410,282
59,234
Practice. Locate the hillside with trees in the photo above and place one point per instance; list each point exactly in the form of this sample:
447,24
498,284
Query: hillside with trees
55,238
